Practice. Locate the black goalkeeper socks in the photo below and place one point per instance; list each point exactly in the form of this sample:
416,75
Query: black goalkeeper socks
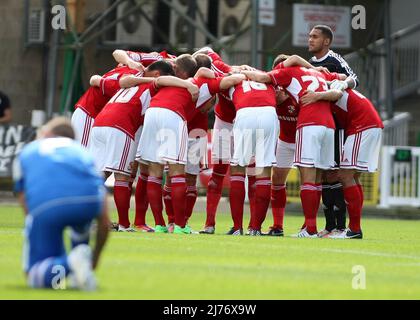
328,201
339,206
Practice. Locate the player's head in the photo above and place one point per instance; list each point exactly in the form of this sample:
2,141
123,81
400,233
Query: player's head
279,59
320,38
57,127
185,66
159,68
203,61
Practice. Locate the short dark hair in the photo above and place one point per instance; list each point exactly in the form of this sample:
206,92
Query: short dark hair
4,101
326,31
203,61
164,67
279,59
60,127
187,64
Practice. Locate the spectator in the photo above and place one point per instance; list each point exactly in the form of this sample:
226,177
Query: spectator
5,109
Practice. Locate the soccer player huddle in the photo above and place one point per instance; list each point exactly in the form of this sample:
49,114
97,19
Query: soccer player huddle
149,116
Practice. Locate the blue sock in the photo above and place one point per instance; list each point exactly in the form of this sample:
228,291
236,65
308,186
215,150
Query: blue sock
49,273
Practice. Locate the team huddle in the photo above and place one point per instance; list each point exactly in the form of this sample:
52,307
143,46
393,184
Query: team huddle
149,116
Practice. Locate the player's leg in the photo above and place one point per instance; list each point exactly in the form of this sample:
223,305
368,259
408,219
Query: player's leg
285,154
191,196
82,124
197,155
353,199
360,154
339,205
179,189
308,157
142,202
154,194
122,196
115,152
46,262
237,198
214,193
44,255
221,155
167,200
243,154
252,185
265,157
278,200
328,206
357,178
262,200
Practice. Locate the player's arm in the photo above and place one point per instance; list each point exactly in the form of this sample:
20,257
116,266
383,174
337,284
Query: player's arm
311,97
132,81
342,82
257,76
352,79
204,50
205,73
231,81
101,234
298,61
95,81
170,81
122,57
244,67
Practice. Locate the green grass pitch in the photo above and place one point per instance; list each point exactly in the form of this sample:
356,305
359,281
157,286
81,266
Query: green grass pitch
149,266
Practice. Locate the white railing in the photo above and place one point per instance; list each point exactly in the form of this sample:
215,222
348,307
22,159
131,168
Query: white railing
400,178
396,132
370,65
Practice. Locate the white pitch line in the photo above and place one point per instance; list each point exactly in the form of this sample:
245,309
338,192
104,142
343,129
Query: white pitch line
375,254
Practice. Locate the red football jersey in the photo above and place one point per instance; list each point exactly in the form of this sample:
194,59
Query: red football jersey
179,99
355,113
208,89
217,65
199,123
288,116
96,98
146,59
296,81
225,110
125,111
252,94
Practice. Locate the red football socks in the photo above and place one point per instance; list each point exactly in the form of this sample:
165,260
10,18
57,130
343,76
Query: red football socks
278,204
179,188
122,195
354,207
237,198
214,192
252,180
310,198
167,199
262,201
154,194
142,202
190,202
360,187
